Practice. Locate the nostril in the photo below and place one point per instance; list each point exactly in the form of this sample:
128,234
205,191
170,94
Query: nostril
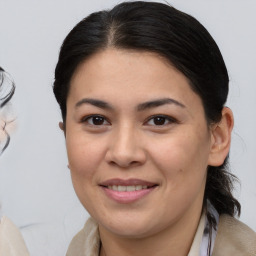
124,164
134,163
125,156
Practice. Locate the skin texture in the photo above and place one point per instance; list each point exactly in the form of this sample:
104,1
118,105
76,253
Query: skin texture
129,142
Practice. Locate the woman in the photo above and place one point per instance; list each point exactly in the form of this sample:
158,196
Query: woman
11,241
142,89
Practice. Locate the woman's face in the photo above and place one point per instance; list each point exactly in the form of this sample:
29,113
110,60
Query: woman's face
138,143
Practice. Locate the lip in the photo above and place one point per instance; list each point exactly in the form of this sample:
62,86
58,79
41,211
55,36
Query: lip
127,197
128,182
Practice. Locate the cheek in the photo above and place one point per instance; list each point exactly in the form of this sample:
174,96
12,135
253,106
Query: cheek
182,158
182,161
84,156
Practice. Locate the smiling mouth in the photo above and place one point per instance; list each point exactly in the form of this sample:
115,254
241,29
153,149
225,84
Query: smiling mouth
121,188
127,191
128,185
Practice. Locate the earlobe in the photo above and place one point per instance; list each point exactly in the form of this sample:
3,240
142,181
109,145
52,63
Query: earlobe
61,125
221,138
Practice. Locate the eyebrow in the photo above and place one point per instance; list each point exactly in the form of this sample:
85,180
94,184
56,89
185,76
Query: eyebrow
158,103
143,106
94,102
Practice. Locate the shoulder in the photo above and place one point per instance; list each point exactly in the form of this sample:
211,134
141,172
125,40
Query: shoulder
11,240
234,238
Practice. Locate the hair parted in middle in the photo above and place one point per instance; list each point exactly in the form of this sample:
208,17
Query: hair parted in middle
182,41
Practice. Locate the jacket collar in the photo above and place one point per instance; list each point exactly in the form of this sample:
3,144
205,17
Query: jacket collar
87,241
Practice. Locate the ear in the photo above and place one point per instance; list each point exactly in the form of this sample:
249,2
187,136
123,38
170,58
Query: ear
61,125
221,138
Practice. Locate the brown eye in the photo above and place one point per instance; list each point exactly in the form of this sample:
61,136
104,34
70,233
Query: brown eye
96,120
160,120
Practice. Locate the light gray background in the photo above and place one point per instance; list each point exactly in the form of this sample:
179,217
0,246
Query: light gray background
35,187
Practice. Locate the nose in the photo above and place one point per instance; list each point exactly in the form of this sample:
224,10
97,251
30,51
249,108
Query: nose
126,149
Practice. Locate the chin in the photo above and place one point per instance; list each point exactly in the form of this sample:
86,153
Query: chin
131,227
130,232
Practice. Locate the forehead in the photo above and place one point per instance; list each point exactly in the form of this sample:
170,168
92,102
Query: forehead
132,74
118,64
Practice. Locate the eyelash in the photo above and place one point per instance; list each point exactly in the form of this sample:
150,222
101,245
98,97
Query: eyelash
87,118
168,119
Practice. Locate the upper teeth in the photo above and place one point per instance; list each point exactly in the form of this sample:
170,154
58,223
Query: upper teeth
126,188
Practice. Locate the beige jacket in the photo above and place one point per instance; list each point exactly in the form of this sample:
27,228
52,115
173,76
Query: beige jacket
233,239
11,241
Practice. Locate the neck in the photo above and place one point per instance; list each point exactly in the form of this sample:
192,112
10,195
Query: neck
172,241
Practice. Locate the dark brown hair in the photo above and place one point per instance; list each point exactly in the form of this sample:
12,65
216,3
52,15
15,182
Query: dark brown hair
179,38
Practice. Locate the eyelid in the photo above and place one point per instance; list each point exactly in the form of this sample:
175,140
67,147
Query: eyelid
86,118
169,118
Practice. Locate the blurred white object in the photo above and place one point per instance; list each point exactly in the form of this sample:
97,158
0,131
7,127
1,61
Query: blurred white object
11,241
